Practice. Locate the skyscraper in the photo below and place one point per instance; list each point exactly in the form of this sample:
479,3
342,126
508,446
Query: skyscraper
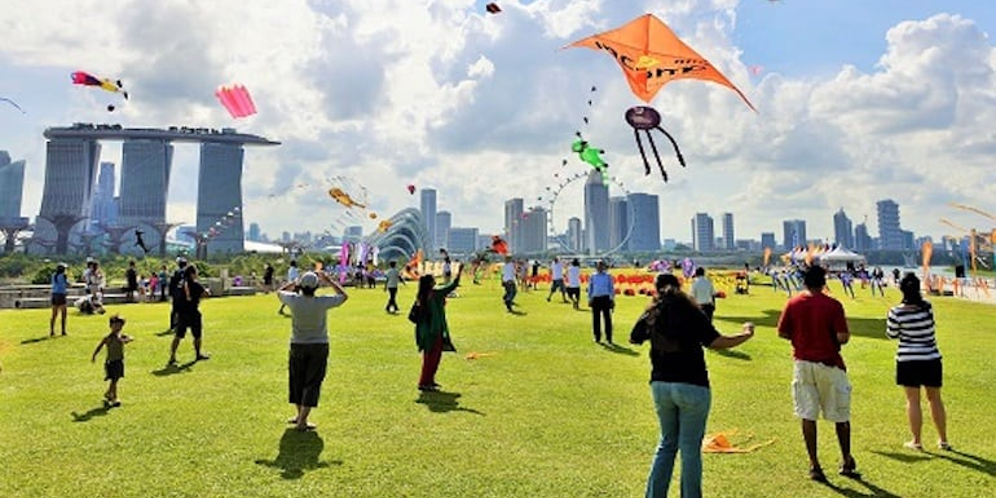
890,235
103,207
443,222
11,187
534,231
728,242
862,241
843,231
513,215
768,240
703,233
793,233
619,223
145,171
428,207
254,232
646,236
219,191
575,234
70,171
462,240
596,214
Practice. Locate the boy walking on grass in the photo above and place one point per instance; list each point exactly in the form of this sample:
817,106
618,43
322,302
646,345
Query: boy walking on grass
114,364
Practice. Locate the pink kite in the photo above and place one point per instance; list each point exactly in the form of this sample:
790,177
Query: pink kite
237,100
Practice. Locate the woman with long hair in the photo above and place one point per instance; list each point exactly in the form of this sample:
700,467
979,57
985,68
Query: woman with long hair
918,361
678,330
431,330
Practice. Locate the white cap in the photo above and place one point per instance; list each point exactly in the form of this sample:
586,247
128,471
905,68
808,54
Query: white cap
309,280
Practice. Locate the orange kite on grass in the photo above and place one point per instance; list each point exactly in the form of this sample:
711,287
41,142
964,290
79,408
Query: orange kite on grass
651,56
720,443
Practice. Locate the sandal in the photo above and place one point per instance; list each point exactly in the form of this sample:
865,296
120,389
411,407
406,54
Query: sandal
849,469
912,445
944,445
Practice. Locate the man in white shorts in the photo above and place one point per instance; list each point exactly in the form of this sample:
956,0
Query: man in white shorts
816,325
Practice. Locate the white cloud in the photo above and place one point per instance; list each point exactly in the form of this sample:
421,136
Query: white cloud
484,107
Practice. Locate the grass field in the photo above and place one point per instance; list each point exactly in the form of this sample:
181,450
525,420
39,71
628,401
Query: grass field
547,414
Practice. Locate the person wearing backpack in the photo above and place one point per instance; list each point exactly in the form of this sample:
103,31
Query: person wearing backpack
431,330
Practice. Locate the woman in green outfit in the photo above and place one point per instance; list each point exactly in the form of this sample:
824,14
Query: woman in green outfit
431,331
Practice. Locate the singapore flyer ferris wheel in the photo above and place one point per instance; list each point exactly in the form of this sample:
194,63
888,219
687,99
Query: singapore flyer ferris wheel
556,209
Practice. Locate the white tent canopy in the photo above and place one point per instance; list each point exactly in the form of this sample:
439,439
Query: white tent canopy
840,256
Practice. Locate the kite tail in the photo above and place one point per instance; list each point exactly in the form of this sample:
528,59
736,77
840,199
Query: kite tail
639,144
657,156
677,151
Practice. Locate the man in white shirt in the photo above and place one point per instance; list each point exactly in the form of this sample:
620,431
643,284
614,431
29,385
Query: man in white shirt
557,277
391,286
508,282
704,293
574,283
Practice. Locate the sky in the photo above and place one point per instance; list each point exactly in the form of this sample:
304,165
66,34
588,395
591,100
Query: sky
856,102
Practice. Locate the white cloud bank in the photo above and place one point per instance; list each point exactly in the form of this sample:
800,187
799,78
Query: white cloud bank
483,108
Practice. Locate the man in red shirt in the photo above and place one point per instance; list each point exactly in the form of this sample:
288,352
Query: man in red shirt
815,324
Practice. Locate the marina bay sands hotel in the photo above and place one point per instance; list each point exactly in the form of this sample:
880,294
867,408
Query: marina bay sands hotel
72,160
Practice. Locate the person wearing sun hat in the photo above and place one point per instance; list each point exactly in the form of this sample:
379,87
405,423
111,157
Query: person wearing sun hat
309,342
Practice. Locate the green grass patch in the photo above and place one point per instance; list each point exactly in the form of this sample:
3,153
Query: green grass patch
547,413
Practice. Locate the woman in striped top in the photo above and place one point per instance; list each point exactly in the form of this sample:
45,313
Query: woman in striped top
918,361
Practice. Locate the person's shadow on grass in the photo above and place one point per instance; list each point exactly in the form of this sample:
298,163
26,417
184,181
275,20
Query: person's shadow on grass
732,353
99,411
173,369
873,490
615,348
299,452
968,460
35,340
443,402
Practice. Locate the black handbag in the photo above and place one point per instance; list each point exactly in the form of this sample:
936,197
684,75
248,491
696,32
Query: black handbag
415,314
448,346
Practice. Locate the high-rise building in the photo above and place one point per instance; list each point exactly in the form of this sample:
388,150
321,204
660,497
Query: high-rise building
619,223
890,235
354,233
254,232
908,240
793,234
843,230
219,191
444,220
729,243
596,214
575,234
534,231
862,241
145,170
11,188
428,208
103,206
646,235
462,241
703,233
70,172
768,240
514,209
483,241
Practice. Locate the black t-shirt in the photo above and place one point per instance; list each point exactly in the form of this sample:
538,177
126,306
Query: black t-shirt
268,275
676,356
176,286
196,292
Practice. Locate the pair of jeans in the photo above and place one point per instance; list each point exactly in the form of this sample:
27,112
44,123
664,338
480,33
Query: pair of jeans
510,291
683,410
392,303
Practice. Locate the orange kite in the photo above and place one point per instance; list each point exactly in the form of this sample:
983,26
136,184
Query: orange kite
651,55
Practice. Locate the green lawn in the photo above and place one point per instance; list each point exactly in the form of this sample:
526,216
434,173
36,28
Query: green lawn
547,414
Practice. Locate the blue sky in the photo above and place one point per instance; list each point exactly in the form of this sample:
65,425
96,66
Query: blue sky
857,101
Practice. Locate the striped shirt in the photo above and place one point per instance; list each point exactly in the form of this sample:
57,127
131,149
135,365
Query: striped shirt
914,327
